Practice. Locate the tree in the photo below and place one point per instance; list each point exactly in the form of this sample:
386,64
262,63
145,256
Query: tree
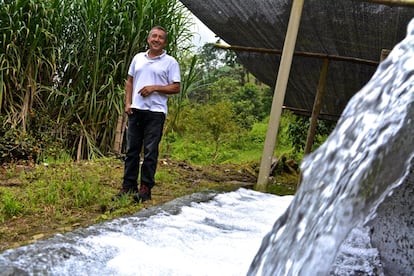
213,122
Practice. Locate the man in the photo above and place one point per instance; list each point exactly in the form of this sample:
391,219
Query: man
152,76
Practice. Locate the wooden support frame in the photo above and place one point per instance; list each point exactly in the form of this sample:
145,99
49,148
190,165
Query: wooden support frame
279,94
283,75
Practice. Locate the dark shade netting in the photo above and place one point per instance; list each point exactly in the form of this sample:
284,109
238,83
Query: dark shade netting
344,28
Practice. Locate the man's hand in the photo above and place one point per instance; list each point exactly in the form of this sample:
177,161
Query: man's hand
147,90
128,109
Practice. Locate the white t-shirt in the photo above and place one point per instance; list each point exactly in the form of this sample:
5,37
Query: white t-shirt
161,70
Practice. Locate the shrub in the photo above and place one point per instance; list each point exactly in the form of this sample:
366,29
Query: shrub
16,145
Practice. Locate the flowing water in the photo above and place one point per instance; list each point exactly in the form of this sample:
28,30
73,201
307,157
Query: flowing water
203,234
200,235
364,159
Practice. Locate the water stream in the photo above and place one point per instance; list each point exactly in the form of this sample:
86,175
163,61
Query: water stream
202,234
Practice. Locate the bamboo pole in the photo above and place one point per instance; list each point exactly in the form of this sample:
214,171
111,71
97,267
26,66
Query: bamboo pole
317,105
79,150
298,53
119,134
408,3
279,94
307,112
384,54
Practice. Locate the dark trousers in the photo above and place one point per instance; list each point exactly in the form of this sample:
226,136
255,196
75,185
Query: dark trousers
144,131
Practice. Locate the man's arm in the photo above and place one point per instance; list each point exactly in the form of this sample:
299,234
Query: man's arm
128,94
173,88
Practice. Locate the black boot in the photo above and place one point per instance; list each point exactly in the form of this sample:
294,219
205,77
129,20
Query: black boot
144,194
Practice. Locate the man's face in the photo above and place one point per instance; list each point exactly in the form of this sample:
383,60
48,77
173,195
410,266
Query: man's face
157,40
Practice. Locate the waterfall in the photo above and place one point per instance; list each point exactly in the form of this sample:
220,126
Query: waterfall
344,181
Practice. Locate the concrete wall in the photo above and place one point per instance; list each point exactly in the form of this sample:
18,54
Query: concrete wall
393,229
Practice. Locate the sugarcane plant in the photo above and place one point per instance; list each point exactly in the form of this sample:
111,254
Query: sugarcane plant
66,61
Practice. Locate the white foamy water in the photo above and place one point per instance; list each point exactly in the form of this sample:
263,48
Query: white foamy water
189,237
217,237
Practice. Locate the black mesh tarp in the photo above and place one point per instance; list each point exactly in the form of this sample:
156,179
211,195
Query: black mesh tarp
347,28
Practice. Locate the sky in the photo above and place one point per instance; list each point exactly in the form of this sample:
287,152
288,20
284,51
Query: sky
203,34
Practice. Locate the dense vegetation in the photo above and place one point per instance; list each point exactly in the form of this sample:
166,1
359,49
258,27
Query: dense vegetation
63,65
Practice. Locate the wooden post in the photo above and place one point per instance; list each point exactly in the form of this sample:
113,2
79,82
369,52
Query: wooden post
384,54
119,134
79,150
279,94
317,105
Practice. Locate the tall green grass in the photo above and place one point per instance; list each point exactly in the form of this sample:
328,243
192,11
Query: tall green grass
66,61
